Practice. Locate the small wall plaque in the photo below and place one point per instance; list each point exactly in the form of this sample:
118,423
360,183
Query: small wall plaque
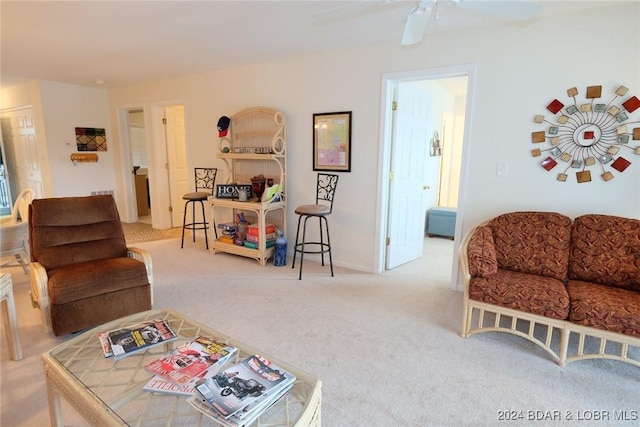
230,191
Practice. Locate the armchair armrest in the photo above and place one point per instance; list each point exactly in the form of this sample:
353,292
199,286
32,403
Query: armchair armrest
143,256
40,292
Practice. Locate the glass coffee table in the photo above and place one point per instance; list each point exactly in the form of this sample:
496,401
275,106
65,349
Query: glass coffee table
109,393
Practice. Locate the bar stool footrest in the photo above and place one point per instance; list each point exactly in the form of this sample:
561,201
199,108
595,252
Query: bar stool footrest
324,248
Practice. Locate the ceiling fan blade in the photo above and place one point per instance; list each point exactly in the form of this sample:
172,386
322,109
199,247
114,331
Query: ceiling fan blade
519,10
417,23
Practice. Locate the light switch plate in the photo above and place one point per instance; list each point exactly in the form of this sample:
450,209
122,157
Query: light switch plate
502,168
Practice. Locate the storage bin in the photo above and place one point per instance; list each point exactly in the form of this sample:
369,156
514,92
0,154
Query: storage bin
441,222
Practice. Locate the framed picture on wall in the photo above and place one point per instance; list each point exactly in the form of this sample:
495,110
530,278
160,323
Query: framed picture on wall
332,141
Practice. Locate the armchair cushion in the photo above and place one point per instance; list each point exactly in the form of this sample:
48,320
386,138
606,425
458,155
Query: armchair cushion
88,279
83,229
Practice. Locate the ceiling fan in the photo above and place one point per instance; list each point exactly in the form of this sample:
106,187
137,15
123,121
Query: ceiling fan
425,12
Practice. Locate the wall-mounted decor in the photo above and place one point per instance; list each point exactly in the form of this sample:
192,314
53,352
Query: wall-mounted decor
590,133
91,139
83,157
332,141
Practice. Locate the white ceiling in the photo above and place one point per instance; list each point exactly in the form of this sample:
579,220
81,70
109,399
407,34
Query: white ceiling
125,42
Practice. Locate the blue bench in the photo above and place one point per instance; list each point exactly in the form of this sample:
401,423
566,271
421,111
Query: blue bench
441,222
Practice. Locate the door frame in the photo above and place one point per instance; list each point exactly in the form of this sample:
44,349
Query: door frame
16,183
384,154
130,213
157,152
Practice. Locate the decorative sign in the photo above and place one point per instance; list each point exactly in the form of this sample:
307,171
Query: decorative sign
91,139
591,133
230,191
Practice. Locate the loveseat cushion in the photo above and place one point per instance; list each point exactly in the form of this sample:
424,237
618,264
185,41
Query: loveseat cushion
604,307
481,253
89,279
533,242
606,249
530,293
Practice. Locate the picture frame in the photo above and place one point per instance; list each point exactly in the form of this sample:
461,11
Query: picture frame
332,141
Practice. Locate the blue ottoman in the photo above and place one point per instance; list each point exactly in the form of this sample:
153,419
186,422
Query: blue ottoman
441,222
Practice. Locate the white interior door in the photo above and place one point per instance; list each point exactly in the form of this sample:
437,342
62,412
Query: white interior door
409,188
177,160
23,162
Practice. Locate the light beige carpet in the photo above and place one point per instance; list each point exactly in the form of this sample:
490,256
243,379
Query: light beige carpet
387,347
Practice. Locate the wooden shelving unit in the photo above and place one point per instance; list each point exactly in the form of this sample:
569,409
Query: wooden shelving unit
259,128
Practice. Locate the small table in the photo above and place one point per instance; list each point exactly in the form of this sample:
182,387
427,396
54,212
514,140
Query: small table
9,315
109,393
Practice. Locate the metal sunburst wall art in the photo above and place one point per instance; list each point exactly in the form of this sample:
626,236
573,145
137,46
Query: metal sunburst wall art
589,134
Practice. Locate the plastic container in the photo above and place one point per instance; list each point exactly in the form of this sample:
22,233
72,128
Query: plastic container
280,256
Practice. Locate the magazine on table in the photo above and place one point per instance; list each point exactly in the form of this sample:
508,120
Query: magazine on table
260,405
159,385
105,344
248,418
191,359
242,384
140,336
203,406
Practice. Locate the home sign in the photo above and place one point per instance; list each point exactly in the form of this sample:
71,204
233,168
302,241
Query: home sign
231,191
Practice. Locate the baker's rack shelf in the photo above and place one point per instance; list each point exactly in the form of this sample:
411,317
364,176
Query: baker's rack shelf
250,130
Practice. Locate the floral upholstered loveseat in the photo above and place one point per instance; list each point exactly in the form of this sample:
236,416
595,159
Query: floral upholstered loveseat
570,286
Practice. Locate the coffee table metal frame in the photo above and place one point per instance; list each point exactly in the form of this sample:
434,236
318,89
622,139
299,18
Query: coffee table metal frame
109,393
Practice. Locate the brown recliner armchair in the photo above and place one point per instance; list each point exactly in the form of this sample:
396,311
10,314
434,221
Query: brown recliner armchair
82,273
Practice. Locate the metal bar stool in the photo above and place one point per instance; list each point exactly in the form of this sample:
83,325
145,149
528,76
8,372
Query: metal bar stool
325,192
205,180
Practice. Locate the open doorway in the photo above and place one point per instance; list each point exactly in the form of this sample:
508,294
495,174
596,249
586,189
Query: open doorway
155,165
140,164
422,160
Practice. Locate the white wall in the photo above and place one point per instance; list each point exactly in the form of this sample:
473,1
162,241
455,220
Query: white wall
59,108
519,71
67,107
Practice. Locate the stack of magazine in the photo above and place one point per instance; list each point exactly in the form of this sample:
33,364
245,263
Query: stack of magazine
238,395
177,372
135,338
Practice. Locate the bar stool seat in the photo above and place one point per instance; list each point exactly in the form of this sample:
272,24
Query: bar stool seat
205,179
325,192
